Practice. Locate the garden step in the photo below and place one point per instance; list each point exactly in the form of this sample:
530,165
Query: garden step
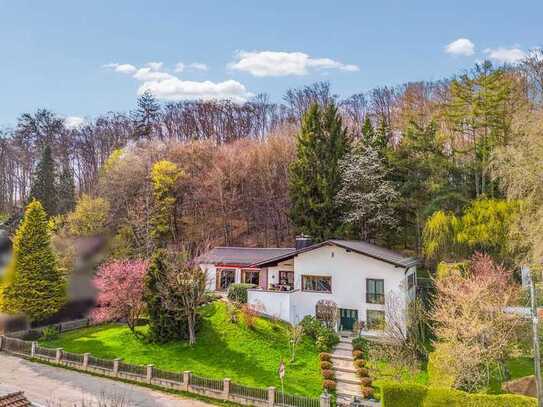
341,357
343,353
343,365
345,347
346,340
349,389
347,377
345,369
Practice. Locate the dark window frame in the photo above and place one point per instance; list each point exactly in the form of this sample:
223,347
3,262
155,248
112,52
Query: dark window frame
375,296
252,271
287,272
306,276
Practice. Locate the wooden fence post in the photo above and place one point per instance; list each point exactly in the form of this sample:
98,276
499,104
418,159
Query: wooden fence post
325,400
116,366
149,373
271,396
226,389
186,380
58,355
2,342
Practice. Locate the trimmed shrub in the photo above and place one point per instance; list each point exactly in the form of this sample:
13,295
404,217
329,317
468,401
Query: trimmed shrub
367,392
326,340
324,356
238,292
359,363
362,372
49,333
329,385
361,344
415,395
328,374
325,365
366,381
311,326
358,354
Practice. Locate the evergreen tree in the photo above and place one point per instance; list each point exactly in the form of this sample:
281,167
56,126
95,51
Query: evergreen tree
146,115
164,325
34,286
43,186
314,177
66,191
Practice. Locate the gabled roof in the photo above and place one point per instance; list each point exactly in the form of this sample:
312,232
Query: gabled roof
358,246
242,256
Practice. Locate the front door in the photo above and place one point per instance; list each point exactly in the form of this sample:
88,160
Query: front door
347,319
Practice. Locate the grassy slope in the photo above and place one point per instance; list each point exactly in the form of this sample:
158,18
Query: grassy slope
223,349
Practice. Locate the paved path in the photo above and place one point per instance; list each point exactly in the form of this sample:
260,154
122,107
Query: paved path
348,383
48,385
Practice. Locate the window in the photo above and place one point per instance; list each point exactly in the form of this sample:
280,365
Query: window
375,291
317,283
251,277
226,277
375,320
286,278
410,281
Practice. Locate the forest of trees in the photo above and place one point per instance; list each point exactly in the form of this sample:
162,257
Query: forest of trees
416,158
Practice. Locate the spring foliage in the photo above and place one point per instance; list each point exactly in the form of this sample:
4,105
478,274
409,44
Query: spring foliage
34,285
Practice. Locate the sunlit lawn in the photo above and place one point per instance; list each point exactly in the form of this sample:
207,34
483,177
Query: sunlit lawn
246,356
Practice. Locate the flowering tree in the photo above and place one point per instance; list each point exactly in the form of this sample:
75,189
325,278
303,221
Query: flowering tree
475,335
120,297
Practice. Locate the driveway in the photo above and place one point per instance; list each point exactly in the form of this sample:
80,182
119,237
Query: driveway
53,386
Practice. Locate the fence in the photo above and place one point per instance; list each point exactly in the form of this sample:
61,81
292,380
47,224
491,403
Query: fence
60,327
184,381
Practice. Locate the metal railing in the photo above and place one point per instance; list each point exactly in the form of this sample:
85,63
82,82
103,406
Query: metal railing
166,375
248,392
101,363
283,399
210,384
72,357
132,369
45,352
18,346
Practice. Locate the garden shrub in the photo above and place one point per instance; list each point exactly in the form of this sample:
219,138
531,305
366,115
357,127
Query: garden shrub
358,354
361,344
326,365
440,373
328,374
238,292
324,356
366,381
362,372
311,326
367,392
326,339
415,395
49,333
359,363
329,385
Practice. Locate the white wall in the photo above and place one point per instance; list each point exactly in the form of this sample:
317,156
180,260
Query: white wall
211,276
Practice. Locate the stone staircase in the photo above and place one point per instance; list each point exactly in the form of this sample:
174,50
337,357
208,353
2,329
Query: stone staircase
347,382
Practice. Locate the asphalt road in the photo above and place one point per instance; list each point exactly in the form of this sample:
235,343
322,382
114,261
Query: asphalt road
53,386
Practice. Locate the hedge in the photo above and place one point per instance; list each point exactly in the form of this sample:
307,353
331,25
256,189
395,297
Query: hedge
415,395
238,292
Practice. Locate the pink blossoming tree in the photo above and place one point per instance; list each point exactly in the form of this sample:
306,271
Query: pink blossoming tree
120,297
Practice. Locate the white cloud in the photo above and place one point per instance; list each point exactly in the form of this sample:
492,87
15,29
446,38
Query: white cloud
166,86
122,68
74,122
175,89
505,55
272,63
461,46
197,66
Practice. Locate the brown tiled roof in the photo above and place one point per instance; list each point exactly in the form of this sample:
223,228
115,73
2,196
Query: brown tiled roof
14,400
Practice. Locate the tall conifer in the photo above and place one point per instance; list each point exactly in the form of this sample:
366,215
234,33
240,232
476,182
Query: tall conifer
43,186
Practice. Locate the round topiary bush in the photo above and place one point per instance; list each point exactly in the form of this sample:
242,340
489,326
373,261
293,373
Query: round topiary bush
325,365
328,374
329,385
359,363
367,392
365,381
362,372
325,356
358,354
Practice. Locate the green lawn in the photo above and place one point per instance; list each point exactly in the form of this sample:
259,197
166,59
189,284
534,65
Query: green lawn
223,349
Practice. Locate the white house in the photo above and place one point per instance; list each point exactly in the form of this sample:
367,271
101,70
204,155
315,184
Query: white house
361,278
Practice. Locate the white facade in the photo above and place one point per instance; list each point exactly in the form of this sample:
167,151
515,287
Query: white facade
348,271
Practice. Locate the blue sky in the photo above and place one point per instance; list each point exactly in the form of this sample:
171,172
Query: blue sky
84,58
